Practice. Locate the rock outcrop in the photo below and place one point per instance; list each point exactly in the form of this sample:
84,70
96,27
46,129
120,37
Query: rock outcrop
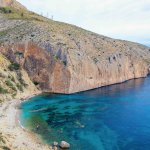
63,58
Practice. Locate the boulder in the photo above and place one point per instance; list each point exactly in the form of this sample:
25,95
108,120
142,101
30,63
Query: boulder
64,145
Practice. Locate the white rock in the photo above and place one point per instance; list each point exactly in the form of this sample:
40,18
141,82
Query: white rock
64,145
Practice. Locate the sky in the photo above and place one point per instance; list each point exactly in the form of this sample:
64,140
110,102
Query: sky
120,19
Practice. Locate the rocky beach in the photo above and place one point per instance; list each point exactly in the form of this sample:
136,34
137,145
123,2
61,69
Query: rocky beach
12,134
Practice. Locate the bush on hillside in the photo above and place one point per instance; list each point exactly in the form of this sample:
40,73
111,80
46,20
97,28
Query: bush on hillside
5,10
10,84
3,91
19,86
14,66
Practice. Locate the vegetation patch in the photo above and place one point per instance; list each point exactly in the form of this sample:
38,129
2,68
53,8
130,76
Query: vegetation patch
10,84
3,33
56,57
13,13
22,82
5,148
3,91
14,67
18,53
65,63
2,139
20,87
12,79
5,10
36,83
1,101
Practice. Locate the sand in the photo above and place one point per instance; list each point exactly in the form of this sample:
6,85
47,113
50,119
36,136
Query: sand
14,135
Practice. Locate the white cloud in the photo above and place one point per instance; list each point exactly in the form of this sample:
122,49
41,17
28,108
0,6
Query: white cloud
125,19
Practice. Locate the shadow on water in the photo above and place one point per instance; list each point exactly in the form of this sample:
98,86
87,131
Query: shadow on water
116,88
108,118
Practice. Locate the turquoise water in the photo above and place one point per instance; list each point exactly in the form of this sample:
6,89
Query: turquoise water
115,117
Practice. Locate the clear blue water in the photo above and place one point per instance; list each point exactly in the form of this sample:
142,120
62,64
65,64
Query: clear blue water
115,117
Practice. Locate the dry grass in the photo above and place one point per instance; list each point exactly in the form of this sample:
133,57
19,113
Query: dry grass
12,13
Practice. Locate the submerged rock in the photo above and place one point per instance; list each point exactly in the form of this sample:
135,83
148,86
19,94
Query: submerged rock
64,145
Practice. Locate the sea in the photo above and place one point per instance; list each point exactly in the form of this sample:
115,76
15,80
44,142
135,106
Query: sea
115,117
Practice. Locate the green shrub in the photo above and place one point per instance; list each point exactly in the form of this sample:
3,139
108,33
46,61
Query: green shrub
2,139
5,10
32,35
9,83
14,66
13,88
6,148
22,14
65,63
12,79
3,91
22,82
56,57
3,33
19,53
19,86
36,83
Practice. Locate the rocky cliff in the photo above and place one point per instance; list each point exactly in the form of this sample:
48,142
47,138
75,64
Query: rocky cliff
63,58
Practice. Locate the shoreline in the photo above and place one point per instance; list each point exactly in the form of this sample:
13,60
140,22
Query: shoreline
13,134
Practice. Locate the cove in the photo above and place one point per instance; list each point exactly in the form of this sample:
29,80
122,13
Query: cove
115,117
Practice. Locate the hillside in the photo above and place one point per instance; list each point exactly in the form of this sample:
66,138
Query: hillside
14,82
42,55
63,58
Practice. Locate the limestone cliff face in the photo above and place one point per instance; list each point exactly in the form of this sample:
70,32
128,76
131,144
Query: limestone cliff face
62,58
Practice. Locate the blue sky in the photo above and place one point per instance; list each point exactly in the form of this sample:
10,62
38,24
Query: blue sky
123,19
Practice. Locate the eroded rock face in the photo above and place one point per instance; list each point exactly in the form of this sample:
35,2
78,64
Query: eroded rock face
62,58
48,72
53,75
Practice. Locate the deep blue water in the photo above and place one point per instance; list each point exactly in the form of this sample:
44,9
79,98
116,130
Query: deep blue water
115,117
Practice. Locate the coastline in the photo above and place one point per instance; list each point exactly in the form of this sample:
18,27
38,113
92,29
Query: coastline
12,134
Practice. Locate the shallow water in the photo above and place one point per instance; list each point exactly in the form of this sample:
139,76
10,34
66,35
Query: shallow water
115,117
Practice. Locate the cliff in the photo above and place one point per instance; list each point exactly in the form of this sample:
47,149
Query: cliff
63,58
